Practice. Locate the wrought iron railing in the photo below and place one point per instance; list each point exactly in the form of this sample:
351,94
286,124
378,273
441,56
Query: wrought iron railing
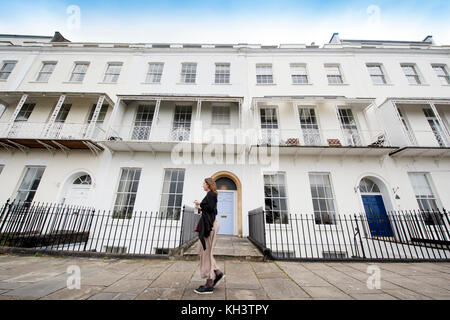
57,130
396,236
77,228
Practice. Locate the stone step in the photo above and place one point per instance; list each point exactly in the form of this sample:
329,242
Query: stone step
228,248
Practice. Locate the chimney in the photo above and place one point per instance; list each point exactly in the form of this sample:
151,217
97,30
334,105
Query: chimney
58,37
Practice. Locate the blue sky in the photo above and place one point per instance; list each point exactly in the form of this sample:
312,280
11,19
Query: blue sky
235,21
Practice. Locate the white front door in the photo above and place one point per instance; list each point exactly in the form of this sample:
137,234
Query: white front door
78,195
226,204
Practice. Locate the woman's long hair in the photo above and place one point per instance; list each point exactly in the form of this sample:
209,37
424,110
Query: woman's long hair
212,185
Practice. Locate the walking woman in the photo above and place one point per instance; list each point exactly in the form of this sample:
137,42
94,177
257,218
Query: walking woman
207,228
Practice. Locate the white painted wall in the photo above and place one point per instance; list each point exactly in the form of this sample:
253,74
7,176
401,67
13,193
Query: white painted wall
345,171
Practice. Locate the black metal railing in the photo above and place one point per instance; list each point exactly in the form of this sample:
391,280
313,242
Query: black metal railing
76,228
190,221
257,231
399,235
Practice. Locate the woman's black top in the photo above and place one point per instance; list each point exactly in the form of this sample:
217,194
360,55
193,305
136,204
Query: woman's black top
209,212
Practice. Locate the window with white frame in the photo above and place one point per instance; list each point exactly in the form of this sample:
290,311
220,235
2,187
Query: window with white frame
101,116
322,198
63,113
79,72
349,127
188,72
407,128
6,69
411,73
310,126
275,198
425,197
441,72
376,73
172,194
143,122
30,183
220,115
112,72
299,73
25,112
46,71
269,126
436,127
126,193
269,118
181,127
154,74
334,74
264,74
222,73
58,127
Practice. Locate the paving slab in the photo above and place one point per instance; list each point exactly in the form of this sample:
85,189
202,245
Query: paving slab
326,293
171,279
113,296
373,296
246,294
128,286
102,278
41,288
74,294
160,294
45,277
283,289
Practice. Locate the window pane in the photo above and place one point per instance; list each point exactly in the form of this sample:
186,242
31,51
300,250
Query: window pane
322,198
29,184
275,198
126,193
172,194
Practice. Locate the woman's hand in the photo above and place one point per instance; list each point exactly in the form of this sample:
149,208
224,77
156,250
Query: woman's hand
197,202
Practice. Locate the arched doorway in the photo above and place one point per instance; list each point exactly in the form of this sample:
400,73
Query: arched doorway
78,190
374,207
229,205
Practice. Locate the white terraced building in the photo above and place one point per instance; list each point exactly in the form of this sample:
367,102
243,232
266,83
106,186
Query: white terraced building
347,127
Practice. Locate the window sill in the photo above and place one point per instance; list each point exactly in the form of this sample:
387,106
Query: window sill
302,84
38,82
382,84
3,80
108,82
187,83
72,82
338,84
266,84
420,85
221,84
151,83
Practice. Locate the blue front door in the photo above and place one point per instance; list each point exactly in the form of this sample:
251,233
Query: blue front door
225,212
376,216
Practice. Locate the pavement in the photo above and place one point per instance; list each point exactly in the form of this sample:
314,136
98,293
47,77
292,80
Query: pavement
229,247
48,277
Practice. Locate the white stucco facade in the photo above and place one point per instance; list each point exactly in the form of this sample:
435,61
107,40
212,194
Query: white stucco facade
373,107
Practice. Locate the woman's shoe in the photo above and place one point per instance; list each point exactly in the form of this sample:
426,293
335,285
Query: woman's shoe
219,277
204,290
